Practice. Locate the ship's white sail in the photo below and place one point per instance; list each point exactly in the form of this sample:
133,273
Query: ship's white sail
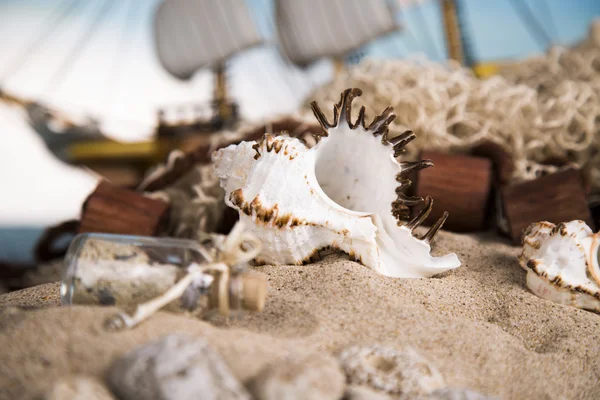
193,34
410,3
312,29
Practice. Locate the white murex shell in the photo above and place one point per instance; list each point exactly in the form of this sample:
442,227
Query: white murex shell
342,193
562,263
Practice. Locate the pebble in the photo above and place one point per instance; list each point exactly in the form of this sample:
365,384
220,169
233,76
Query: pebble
175,367
457,394
79,388
394,371
317,376
354,392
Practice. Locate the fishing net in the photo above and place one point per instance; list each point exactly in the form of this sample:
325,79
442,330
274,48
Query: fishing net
544,110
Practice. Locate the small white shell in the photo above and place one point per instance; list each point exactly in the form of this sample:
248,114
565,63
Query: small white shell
343,193
562,263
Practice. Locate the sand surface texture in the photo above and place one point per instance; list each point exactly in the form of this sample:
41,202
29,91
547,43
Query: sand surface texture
478,324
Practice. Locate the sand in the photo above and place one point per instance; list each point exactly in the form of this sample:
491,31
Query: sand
478,324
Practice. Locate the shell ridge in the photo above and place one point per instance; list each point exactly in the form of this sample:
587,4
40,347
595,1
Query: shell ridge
267,209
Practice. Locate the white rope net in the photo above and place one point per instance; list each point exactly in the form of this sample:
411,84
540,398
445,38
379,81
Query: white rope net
543,109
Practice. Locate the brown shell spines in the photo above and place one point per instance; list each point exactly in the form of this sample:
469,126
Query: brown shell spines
428,237
380,127
271,143
341,109
380,124
269,216
423,214
400,141
400,211
410,166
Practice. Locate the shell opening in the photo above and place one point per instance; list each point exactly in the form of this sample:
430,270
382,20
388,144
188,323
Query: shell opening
347,158
346,175
356,153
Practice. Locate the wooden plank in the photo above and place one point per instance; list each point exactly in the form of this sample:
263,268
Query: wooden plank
459,184
111,209
558,197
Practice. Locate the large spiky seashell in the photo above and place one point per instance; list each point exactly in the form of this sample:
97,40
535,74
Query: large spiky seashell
562,263
343,193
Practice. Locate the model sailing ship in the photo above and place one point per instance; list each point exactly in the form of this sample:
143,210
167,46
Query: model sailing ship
190,35
215,31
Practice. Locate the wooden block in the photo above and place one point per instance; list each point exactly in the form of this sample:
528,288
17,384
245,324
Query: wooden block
111,209
459,184
502,160
559,197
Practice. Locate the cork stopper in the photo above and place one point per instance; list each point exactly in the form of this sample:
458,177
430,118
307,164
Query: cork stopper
254,291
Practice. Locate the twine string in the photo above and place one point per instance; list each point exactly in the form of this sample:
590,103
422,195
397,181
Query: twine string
539,109
237,248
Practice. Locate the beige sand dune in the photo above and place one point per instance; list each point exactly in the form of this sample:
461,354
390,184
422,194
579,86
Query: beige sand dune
478,324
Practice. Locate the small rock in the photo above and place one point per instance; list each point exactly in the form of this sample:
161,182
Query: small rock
79,388
363,393
398,372
174,368
457,394
314,377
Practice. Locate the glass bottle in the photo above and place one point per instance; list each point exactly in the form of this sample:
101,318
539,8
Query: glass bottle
126,271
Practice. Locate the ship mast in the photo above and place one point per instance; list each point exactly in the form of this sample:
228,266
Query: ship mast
456,41
193,34
452,30
220,93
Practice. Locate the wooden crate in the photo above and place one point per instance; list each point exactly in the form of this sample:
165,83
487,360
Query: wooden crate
558,197
502,160
111,209
459,184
